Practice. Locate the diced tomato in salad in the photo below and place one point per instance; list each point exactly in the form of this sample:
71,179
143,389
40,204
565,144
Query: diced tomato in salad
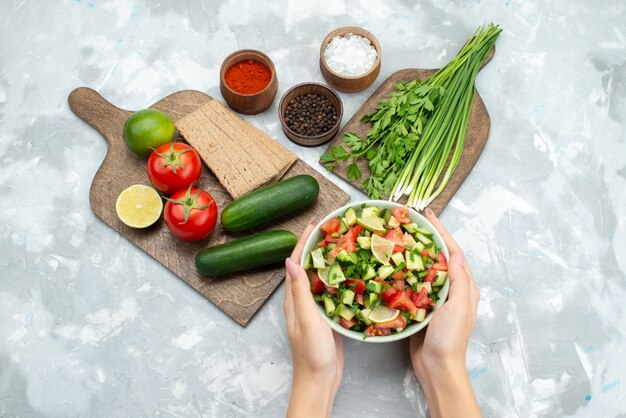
360,290
402,215
317,285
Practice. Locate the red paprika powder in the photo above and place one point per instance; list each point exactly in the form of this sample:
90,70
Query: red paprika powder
248,77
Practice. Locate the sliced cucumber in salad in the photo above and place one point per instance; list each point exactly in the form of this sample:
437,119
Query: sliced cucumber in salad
373,261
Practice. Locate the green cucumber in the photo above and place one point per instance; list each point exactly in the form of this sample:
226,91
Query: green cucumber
364,242
350,216
409,242
440,279
364,315
343,311
329,306
413,261
371,300
270,202
343,226
308,262
370,212
246,253
385,271
335,275
386,215
374,286
370,273
347,296
397,258
393,223
318,258
423,238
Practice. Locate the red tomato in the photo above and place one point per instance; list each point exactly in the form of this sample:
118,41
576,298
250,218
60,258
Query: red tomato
358,229
347,324
190,214
422,300
323,243
401,275
331,225
388,294
425,253
357,285
396,236
430,275
442,263
329,237
331,290
398,285
399,322
351,235
402,215
173,167
345,242
401,301
371,331
317,285
359,299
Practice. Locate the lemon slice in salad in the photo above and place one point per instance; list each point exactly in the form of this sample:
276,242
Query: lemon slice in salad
382,314
139,206
374,224
323,273
382,248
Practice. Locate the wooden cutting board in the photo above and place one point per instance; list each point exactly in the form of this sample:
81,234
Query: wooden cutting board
475,139
239,295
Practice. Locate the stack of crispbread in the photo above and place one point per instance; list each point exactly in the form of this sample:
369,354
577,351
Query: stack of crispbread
241,156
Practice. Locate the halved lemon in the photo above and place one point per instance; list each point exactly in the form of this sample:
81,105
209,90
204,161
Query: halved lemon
374,224
139,206
382,314
382,248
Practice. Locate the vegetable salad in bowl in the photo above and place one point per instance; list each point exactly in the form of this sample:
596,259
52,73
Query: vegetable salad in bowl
377,270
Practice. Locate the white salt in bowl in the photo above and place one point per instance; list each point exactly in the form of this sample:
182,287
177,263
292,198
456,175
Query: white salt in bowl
421,221
344,83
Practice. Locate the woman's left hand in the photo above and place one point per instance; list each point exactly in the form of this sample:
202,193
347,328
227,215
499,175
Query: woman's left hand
316,350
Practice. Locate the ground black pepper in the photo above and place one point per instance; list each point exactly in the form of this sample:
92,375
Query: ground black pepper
310,115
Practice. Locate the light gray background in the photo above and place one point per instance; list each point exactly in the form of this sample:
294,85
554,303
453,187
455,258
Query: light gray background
91,326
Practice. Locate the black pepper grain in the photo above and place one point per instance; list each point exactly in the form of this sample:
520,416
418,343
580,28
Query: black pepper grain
310,115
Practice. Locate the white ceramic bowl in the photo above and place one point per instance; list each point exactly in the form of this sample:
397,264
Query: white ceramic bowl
413,327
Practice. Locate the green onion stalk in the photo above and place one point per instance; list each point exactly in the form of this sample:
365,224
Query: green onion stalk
423,177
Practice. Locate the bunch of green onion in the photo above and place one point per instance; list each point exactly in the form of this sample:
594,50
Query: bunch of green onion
418,132
445,129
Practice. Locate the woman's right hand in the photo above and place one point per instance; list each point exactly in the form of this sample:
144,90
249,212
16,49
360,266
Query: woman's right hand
438,353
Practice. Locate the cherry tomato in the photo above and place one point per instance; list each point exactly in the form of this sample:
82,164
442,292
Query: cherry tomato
190,214
173,167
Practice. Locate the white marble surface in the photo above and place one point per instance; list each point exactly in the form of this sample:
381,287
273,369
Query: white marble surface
91,326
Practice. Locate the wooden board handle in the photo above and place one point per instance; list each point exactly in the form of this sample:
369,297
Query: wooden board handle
94,109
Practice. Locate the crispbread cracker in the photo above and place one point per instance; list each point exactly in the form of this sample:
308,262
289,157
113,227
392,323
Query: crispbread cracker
232,158
279,156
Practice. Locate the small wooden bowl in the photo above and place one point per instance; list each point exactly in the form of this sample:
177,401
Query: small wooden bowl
248,104
350,84
310,88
